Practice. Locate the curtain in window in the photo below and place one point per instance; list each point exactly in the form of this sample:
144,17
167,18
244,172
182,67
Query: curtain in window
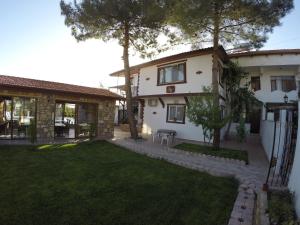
171,74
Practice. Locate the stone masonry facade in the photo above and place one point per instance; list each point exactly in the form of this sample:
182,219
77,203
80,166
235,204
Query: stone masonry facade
45,111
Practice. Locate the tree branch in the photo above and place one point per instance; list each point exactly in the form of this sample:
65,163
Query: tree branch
236,25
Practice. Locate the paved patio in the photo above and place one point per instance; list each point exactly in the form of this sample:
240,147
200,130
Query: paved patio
254,172
251,176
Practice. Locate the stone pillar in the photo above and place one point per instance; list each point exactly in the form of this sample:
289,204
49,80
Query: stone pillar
106,114
45,117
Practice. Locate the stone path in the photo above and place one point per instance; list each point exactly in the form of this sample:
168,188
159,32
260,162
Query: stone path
251,177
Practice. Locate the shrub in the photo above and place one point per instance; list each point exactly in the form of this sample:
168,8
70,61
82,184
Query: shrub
281,208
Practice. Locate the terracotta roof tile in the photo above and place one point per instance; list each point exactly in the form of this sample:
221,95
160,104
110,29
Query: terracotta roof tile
10,81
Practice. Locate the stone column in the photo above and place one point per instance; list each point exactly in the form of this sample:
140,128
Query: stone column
106,114
45,117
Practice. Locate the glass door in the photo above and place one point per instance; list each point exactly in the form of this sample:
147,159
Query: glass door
65,114
86,120
23,115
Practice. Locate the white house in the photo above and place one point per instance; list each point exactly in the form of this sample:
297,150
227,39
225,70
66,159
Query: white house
161,88
275,79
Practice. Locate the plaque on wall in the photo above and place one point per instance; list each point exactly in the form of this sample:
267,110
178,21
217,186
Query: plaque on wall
170,89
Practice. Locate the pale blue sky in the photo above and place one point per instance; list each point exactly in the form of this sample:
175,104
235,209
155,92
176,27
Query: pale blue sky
35,43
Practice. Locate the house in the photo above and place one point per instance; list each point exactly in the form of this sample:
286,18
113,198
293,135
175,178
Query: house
162,89
59,111
275,80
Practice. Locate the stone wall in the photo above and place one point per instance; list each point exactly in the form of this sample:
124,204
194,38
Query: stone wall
45,117
106,115
46,111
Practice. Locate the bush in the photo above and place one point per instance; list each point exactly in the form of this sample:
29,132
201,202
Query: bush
281,208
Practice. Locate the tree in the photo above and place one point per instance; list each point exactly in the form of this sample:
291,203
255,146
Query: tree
239,96
227,22
202,111
135,24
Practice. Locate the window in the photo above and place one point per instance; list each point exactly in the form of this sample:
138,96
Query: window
16,116
171,74
255,83
283,83
176,114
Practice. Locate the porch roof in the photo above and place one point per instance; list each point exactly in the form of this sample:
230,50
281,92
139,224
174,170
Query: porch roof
41,85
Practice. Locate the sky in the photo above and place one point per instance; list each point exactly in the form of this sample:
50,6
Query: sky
35,43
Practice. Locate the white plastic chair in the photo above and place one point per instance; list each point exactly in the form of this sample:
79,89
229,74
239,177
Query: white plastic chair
154,135
165,137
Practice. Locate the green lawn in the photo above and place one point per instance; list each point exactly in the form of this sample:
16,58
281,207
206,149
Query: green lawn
208,150
102,184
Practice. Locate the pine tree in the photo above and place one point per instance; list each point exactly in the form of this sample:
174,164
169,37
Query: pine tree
232,22
136,24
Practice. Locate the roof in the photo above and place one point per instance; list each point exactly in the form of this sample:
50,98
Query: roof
40,85
222,53
172,58
264,52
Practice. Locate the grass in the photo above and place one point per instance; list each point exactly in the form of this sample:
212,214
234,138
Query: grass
209,150
98,183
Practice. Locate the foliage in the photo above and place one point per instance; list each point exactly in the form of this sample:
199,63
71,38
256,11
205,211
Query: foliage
202,111
240,98
69,112
136,24
32,131
100,183
241,130
209,150
235,22
232,22
106,20
281,208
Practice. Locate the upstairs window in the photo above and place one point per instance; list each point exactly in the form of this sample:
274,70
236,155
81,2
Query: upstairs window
255,83
172,74
283,83
176,113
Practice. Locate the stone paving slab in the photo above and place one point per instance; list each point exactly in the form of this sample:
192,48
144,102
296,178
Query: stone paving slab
250,177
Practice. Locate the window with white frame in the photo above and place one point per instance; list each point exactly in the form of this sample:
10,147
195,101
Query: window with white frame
176,113
171,74
283,83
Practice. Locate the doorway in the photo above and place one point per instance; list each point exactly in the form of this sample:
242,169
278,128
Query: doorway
75,120
254,119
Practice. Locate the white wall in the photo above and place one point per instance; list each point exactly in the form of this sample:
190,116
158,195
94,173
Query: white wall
267,136
152,122
294,182
267,133
271,65
269,60
194,82
265,94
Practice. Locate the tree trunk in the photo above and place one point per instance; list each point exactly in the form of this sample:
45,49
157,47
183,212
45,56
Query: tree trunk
132,123
215,71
